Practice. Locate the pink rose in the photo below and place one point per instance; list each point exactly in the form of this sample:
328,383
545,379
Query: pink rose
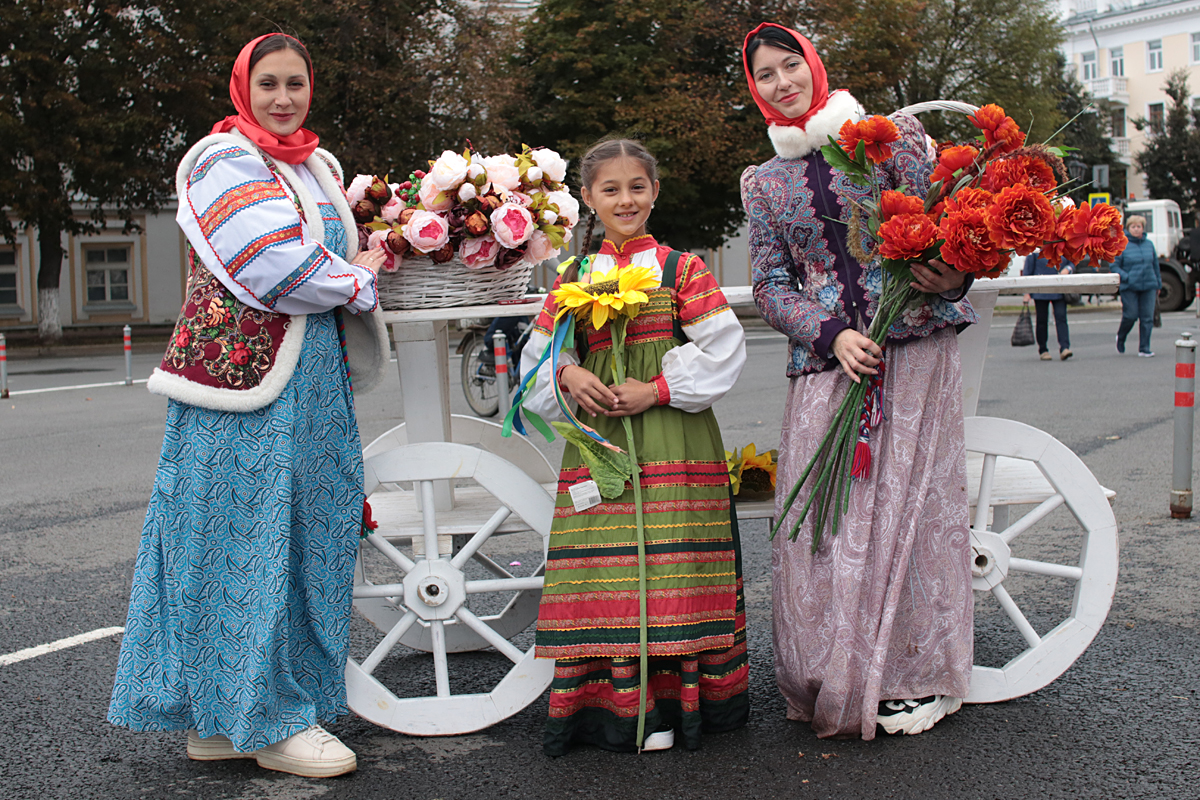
183,338
392,209
357,190
427,231
512,225
502,172
433,199
540,248
377,238
479,252
519,198
240,355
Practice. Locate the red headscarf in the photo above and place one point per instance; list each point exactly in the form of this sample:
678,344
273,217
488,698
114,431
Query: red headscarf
291,149
820,84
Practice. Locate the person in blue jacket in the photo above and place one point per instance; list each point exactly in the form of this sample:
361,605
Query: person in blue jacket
1036,265
1140,282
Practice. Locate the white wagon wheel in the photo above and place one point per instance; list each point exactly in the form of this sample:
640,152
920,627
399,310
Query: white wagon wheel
434,591
998,551
521,610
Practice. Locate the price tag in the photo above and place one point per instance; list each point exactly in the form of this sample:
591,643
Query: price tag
585,495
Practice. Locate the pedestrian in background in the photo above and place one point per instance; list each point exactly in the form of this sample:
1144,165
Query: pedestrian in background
1140,283
1042,301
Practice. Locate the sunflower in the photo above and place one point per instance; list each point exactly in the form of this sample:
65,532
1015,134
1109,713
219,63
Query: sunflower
608,295
751,461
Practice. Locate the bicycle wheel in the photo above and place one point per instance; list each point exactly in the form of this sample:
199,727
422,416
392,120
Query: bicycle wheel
479,385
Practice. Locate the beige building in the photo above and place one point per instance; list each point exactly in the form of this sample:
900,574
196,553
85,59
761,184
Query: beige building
1123,51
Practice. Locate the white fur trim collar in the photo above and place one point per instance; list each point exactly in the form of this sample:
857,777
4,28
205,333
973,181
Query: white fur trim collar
793,142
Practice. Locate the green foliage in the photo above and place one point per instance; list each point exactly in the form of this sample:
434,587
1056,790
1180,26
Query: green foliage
1171,158
668,72
610,469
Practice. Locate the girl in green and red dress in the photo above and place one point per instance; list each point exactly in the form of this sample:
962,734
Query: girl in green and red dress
684,350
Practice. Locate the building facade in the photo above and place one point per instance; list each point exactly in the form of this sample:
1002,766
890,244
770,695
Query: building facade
1123,51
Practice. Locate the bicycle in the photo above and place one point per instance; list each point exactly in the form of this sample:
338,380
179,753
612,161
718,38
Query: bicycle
479,381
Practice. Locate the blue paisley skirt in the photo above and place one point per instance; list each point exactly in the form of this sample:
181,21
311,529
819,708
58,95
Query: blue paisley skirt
239,618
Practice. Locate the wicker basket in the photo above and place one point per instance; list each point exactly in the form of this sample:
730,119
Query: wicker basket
420,283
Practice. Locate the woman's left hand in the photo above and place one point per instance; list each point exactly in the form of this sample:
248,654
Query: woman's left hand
936,277
633,397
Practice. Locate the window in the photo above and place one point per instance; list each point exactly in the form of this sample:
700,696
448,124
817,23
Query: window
1154,58
107,273
1196,48
1117,56
1118,123
1090,72
8,276
1155,115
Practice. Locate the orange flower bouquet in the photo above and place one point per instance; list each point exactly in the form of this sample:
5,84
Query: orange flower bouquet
987,201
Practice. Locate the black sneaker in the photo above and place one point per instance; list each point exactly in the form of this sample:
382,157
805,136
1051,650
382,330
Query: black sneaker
915,716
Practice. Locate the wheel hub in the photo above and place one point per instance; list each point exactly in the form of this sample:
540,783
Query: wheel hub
989,565
435,589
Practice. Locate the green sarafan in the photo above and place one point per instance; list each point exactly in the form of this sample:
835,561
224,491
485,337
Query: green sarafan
610,468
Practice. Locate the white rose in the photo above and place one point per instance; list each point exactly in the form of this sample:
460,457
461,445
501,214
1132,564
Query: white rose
476,169
502,171
553,165
466,192
357,190
448,171
549,217
533,175
568,208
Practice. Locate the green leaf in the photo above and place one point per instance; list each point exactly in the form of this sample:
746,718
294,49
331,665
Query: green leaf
899,268
610,469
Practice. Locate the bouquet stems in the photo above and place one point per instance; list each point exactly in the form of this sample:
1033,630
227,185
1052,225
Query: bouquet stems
618,350
832,463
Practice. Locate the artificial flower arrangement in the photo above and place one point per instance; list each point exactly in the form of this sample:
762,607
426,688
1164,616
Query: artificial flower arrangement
490,211
752,474
987,201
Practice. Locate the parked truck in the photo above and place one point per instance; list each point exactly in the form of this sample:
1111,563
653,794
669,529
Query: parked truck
1178,254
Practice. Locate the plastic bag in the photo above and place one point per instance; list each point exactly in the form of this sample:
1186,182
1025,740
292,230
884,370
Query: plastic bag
1022,335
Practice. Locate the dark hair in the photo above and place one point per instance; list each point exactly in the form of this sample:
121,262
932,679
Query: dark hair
772,37
599,153
276,42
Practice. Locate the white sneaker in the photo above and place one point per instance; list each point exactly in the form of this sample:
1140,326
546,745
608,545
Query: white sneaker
214,748
916,716
659,740
313,753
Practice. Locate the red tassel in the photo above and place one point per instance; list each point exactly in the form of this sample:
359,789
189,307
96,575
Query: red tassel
368,522
861,467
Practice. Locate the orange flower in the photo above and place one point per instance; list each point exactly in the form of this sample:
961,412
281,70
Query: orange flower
1019,170
893,203
969,246
1055,250
877,133
998,129
1020,219
906,236
952,160
1094,230
969,197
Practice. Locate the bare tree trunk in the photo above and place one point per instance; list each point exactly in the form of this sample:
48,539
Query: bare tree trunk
49,270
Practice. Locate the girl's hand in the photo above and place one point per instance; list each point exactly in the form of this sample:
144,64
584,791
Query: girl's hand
588,390
633,397
857,354
936,277
371,259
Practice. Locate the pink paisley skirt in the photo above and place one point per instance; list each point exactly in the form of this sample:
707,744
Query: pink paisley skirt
883,610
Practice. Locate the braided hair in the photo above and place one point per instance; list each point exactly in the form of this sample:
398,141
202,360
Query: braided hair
599,153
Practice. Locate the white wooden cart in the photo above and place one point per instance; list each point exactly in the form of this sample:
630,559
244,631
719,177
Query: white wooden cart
450,493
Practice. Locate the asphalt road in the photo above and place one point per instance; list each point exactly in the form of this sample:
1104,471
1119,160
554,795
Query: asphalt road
76,468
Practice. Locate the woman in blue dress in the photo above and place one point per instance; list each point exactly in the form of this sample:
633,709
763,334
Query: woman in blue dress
239,615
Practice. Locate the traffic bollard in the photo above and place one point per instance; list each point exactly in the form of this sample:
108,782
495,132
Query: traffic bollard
128,356
1185,418
3,366
500,348
1197,299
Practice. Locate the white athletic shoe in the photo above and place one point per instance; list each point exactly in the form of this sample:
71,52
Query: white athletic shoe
313,753
660,740
916,716
214,748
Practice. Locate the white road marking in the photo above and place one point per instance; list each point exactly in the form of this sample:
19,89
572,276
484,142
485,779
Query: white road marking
81,386
61,644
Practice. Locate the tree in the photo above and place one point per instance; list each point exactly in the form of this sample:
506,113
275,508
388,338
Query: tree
1086,132
1171,158
90,96
667,72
